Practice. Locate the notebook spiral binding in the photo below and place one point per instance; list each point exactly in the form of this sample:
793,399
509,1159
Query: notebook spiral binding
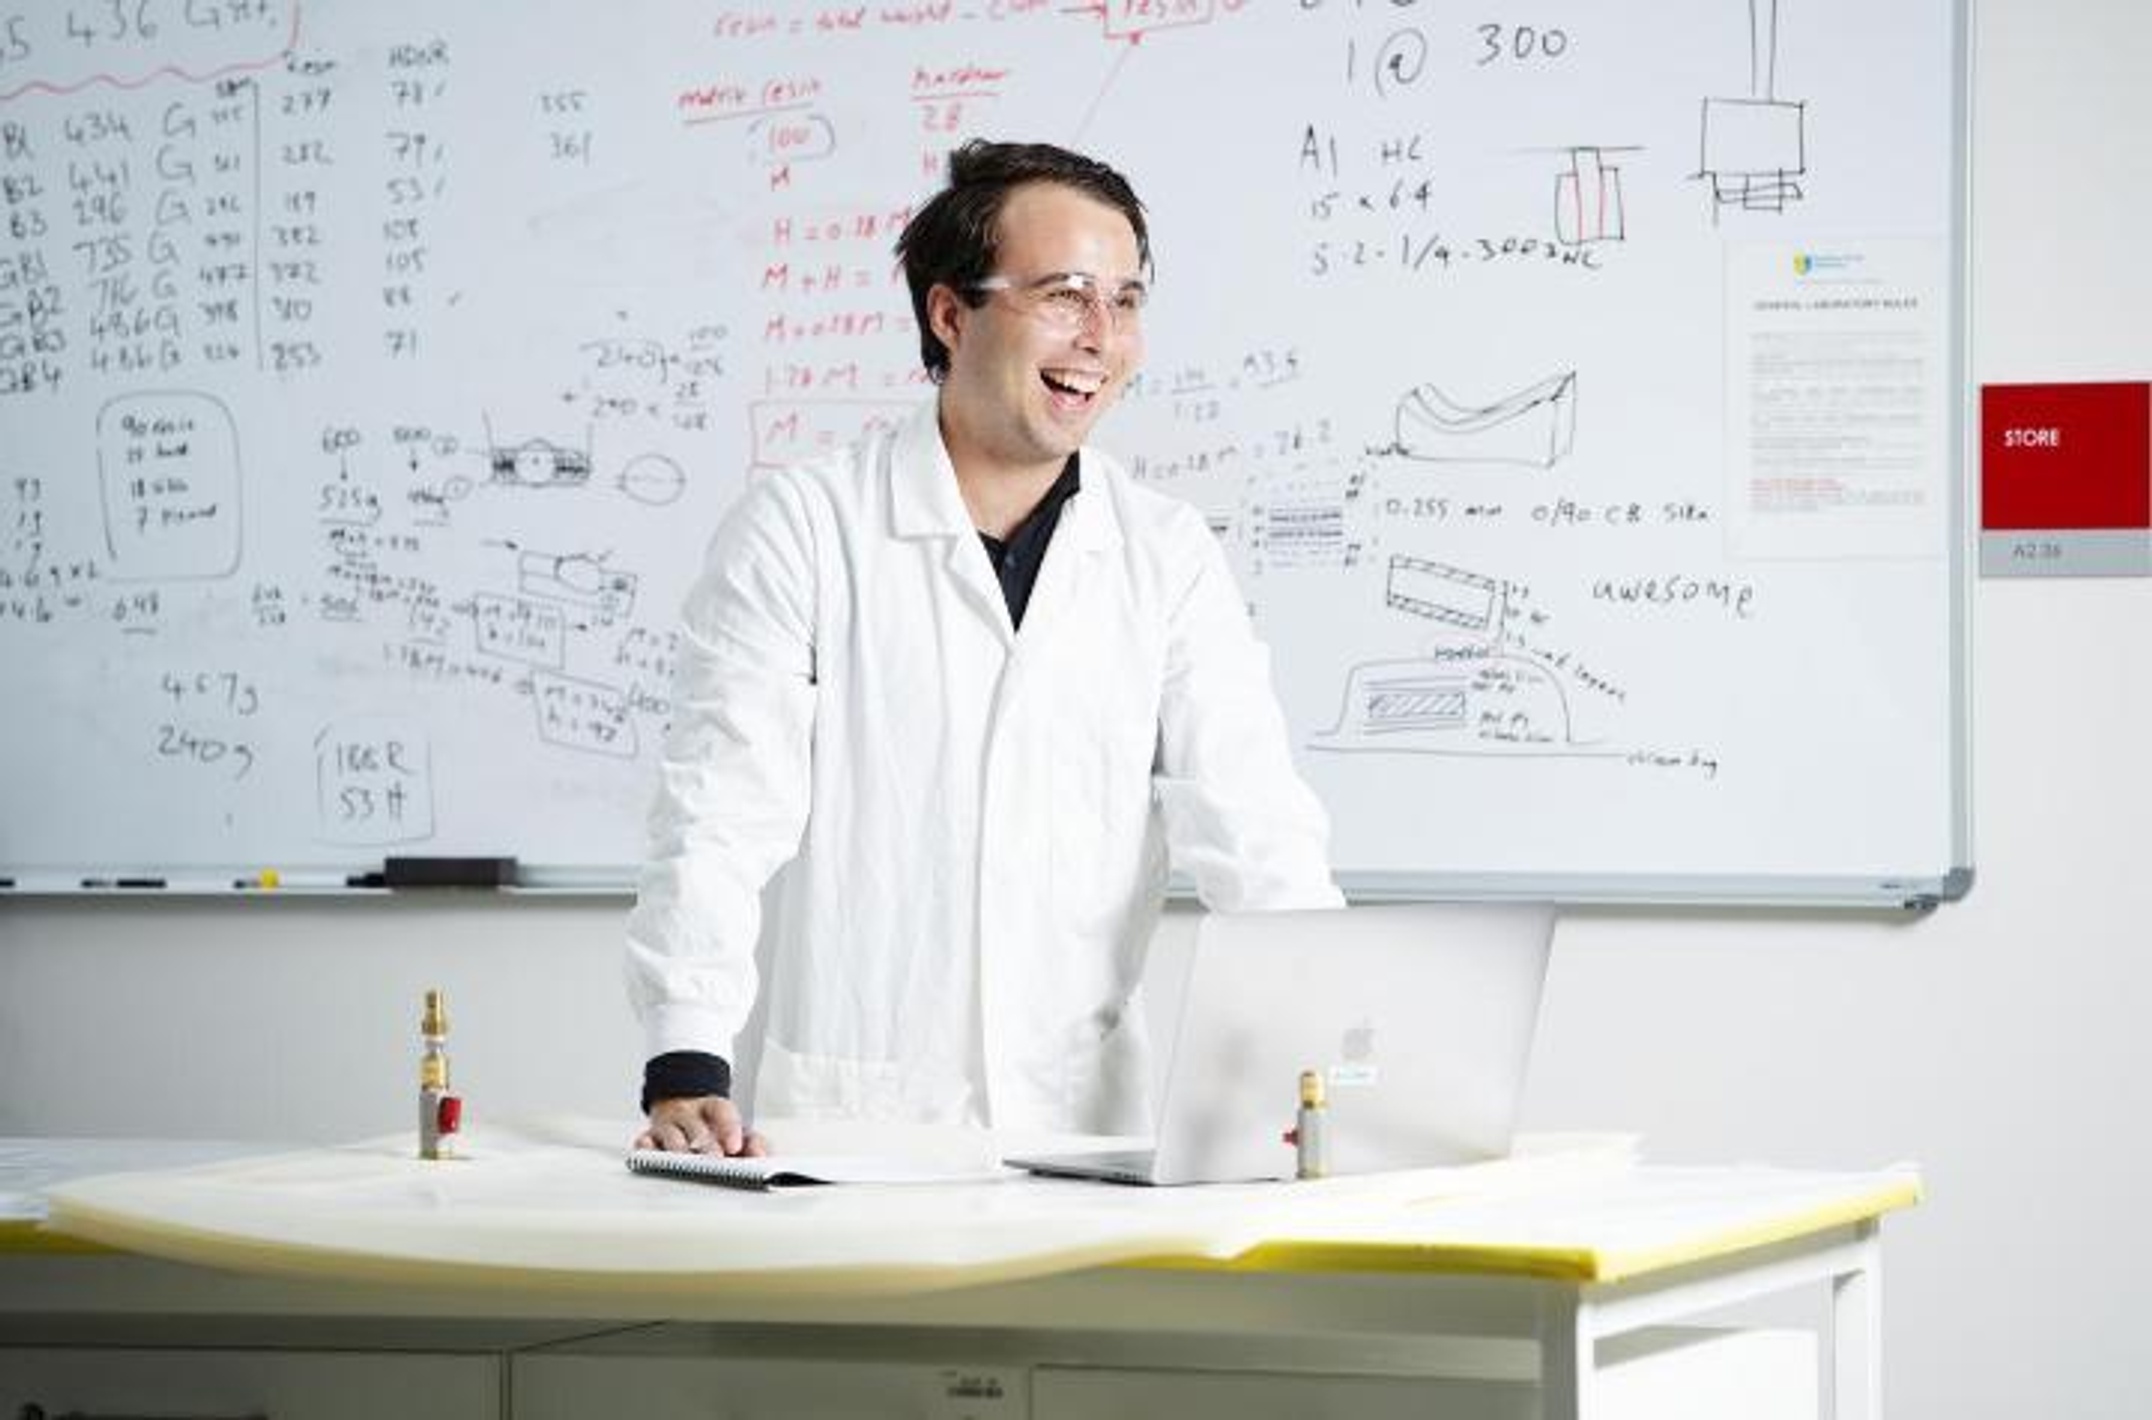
713,1168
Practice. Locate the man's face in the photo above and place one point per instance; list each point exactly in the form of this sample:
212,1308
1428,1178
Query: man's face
1025,385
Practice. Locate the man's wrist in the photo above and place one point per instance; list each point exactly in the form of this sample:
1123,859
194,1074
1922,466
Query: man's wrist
685,1074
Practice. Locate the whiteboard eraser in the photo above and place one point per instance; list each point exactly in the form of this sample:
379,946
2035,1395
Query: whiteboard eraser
448,872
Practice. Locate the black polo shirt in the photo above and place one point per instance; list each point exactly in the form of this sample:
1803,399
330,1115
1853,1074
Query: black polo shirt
1018,558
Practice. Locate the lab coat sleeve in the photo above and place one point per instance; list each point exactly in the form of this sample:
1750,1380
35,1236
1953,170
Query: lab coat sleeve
733,779
1239,819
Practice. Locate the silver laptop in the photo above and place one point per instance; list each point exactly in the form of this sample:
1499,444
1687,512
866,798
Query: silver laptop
1419,1017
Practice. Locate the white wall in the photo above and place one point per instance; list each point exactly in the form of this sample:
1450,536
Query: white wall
1998,1043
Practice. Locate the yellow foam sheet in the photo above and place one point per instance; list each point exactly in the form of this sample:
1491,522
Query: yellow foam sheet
550,1206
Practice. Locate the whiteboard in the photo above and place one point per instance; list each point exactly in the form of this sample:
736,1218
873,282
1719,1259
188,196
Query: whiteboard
1578,389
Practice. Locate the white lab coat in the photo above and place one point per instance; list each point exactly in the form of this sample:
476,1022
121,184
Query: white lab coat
982,818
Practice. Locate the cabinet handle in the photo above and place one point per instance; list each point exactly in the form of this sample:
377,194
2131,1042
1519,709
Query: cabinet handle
34,1411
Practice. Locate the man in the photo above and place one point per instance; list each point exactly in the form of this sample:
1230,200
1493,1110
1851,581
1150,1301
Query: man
976,686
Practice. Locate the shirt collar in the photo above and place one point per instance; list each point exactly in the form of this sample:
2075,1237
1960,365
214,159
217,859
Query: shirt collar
1048,508
924,501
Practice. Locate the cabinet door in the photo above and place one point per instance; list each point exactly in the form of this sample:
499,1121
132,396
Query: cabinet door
1660,1373
1089,1393
273,1385
569,1387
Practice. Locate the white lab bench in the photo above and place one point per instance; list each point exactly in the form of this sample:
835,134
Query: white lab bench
537,1280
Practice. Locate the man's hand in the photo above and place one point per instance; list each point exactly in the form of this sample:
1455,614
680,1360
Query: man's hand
700,1124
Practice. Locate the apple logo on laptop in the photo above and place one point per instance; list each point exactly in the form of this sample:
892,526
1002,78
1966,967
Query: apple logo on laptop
1358,1047
1360,1043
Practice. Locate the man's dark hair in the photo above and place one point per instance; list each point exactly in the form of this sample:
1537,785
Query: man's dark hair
953,241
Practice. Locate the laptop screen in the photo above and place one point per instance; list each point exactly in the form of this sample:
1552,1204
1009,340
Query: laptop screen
1418,1017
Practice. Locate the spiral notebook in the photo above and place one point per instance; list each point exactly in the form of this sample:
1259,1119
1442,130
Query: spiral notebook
797,1170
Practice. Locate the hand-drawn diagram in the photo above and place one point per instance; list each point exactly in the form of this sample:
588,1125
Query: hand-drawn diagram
1754,149
523,638
1310,517
1485,703
578,579
652,480
1588,201
536,463
1477,691
1441,593
1534,426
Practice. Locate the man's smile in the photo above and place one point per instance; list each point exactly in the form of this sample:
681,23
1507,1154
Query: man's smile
1073,388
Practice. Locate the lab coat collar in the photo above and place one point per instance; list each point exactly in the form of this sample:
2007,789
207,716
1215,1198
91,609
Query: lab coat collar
1088,519
924,501
1089,525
